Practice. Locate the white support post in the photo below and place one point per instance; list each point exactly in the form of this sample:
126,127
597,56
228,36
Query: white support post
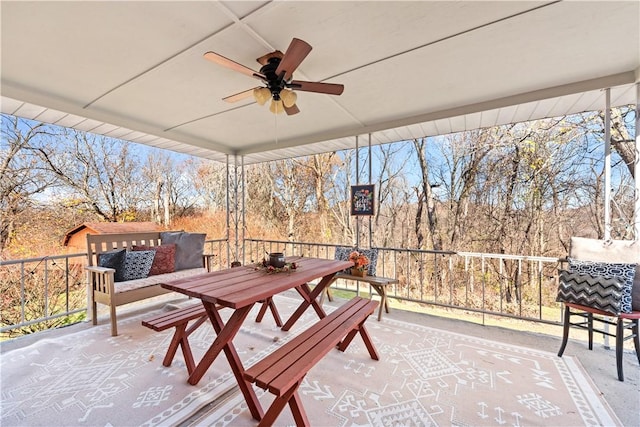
636,164
607,165
370,217
244,217
607,181
228,214
357,242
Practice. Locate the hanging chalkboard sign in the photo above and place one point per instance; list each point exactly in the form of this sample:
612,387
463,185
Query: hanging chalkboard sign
362,199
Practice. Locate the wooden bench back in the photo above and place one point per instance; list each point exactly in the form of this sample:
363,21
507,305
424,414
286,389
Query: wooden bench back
99,243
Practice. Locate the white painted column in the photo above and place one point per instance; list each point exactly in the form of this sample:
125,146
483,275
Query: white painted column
607,164
228,212
374,198
357,217
636,164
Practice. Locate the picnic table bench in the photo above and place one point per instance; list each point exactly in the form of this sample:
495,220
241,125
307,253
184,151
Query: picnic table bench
379,284
282,372
181,317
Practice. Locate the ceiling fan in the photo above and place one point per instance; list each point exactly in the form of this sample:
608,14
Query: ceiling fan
277,75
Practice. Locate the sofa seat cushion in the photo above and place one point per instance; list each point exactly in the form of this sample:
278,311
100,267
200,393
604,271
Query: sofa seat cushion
154,280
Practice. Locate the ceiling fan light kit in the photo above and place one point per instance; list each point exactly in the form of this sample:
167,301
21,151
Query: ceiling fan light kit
261,95
288,97
277,74
277,106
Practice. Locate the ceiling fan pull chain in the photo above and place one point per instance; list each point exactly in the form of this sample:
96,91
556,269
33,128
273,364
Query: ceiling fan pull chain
275,122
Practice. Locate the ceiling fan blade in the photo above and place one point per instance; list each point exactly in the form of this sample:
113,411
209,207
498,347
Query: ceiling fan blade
295,54
291,110
233,65
240,96
328,88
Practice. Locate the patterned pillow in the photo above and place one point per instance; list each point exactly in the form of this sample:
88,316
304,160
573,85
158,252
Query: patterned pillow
625,271
602,293
137,264
372,254
115,260
342,254
165,259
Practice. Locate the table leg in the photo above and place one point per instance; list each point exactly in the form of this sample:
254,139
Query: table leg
309,298
382,291
269,304
226,333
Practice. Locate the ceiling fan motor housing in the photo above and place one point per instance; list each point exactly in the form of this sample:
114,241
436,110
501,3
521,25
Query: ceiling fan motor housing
274,82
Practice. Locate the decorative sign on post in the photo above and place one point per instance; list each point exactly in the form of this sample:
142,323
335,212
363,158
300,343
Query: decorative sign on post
362,200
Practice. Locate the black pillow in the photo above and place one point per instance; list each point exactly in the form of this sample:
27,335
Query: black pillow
114,259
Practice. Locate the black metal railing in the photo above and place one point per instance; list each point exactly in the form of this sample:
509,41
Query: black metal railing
50,291
516,286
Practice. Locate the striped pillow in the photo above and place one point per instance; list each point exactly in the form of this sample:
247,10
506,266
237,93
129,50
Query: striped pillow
599,292
626,272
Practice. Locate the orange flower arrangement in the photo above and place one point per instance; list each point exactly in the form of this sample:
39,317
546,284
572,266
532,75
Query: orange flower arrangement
359,260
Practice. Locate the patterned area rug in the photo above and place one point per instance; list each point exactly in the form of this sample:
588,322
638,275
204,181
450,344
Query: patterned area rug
430,377
425,377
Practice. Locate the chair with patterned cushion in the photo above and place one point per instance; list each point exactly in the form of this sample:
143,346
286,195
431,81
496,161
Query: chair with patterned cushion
602,283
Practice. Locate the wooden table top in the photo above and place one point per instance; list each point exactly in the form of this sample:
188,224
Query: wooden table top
240,286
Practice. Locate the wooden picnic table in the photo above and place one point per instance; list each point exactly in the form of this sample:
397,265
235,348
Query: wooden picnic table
239,289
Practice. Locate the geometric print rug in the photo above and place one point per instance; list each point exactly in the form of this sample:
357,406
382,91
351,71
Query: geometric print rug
425,377
430,377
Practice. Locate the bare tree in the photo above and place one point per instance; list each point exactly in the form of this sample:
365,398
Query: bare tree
211,184
22,172
392,162
294,188
320,168
338,191
99,174
426,200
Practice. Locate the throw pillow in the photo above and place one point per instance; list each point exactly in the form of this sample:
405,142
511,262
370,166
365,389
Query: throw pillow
602,293
113,259
342,254
372,254
625,251
626,272
189,248
137,264
165,259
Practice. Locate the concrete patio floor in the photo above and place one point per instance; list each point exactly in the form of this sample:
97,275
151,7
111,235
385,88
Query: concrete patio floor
623,397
